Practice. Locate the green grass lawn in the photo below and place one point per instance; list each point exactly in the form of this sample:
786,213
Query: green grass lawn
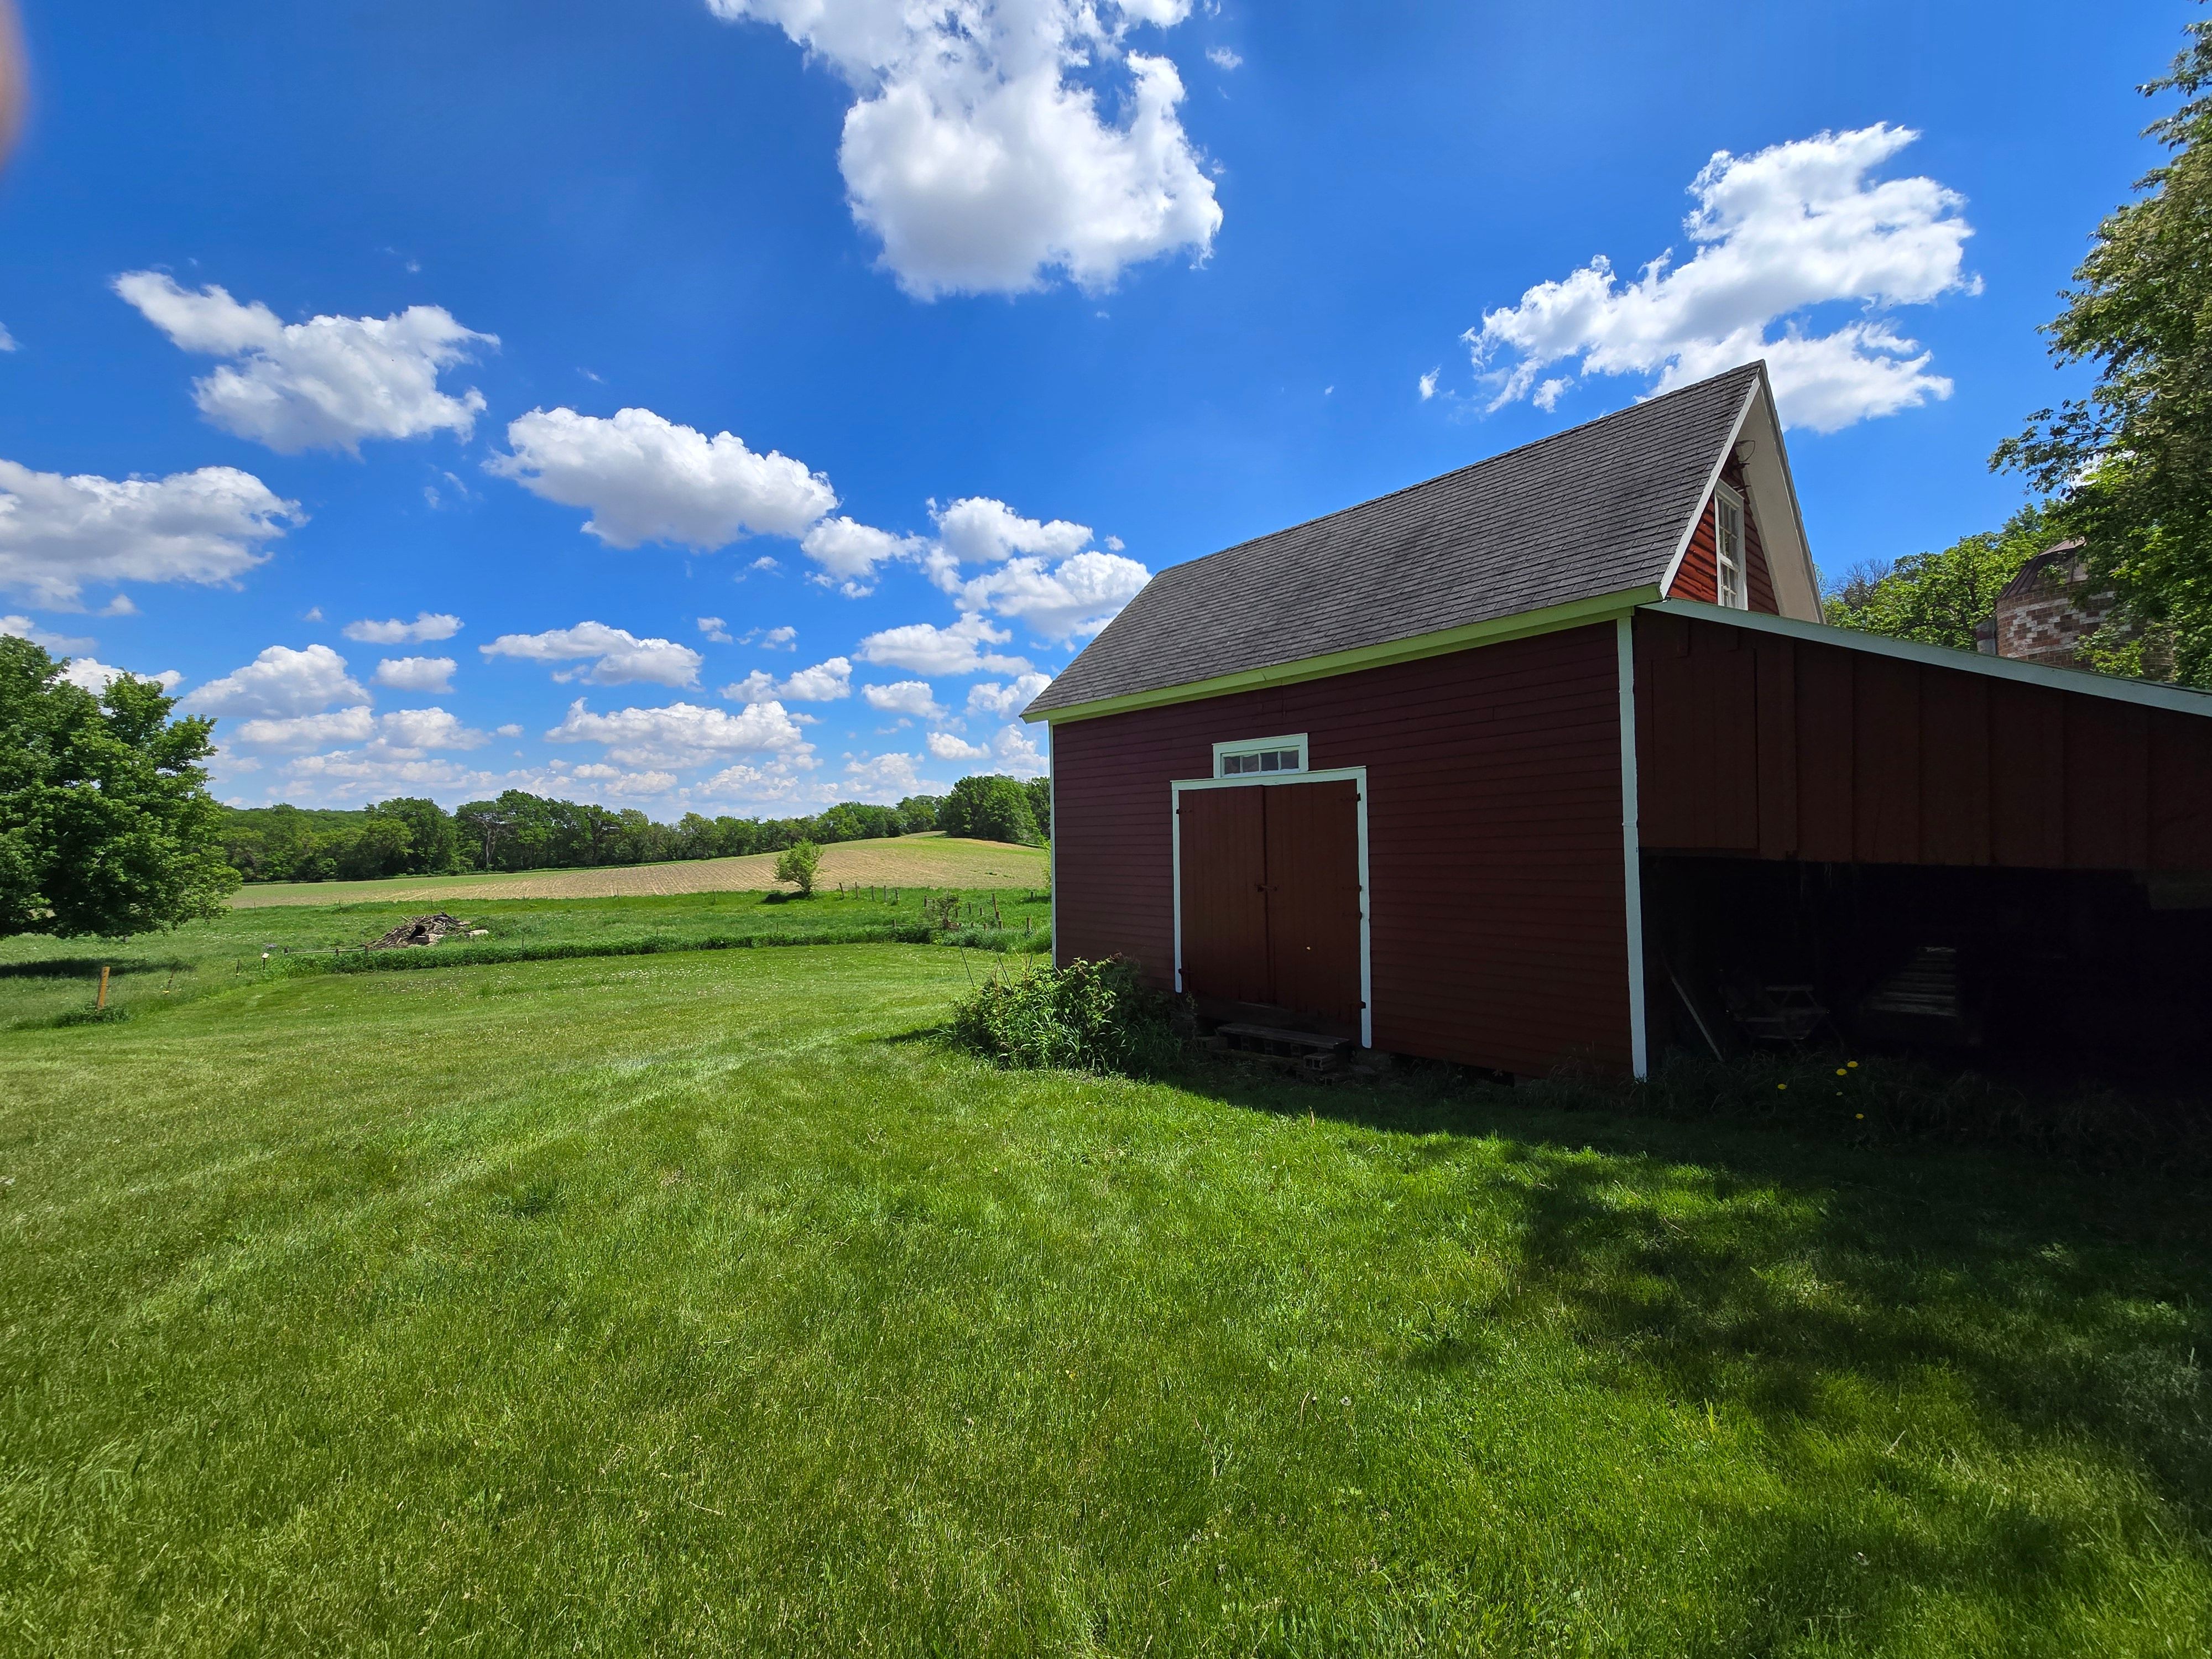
706,1302
42,979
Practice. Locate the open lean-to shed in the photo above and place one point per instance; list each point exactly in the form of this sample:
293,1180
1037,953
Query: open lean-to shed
1551,759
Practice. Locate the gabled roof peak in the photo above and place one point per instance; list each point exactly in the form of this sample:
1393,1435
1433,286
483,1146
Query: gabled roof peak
1600,508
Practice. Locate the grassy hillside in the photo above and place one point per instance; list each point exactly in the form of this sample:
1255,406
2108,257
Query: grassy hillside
42,979
706,1303
924,860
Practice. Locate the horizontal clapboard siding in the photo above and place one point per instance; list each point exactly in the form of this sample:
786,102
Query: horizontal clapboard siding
1498,919
1699,576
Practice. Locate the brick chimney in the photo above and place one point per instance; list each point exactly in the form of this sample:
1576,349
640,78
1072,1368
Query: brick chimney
2043,614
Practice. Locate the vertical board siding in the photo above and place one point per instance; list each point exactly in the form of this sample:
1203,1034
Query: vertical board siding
1699,576
1498,932
1856,758
1224,899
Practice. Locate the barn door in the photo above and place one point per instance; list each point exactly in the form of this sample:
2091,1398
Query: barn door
1313,900
1270,880
1224,897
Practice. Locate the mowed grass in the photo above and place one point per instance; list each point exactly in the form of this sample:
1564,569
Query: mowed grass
709,1304
909,861
44,979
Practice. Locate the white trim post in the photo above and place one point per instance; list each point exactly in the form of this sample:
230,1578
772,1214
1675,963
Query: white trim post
1052,856
1631,850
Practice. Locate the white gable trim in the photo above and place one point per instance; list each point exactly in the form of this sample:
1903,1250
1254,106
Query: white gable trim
1712,482
2081,681
1789,556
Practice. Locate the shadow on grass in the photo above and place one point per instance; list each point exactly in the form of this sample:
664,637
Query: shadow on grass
1822,1287
89,967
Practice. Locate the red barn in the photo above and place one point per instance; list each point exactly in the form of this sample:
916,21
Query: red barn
1552,758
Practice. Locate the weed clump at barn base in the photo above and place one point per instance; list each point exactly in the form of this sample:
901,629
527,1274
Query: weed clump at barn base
1086,1017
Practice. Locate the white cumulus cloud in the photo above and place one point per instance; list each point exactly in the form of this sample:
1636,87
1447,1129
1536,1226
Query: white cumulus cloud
96,677
977,151
1778,234
960,647
645,479
57,533
682,734
426,627
297,732
826,682
715,629
1018,753
1002,702
910,697
946,747
279,684
979,530
884,778
848,552
81,668
324,384
61,644
417,673
616,656
1079,595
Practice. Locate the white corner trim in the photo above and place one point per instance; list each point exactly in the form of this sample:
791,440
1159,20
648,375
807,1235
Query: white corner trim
1632,851
1353,775
2081,681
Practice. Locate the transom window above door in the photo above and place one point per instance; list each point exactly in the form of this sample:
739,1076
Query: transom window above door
1260,754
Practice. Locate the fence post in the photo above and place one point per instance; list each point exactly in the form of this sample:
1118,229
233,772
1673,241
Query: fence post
102,1003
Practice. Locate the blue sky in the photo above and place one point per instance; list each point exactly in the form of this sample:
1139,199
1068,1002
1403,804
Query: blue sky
1003,306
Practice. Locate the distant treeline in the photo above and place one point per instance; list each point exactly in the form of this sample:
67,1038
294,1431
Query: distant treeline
412,836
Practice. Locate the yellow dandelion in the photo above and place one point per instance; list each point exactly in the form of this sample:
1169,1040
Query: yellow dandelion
1781,1086
1840,1072
1853,1064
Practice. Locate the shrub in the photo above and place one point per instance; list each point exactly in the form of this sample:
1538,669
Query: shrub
797,864
1086,1017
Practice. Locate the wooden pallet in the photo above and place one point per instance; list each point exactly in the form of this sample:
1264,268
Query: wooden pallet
1304,1051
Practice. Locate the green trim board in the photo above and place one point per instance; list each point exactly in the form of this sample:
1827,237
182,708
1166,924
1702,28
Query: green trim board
1496,630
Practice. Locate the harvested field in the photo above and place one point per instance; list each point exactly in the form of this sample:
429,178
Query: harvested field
907,861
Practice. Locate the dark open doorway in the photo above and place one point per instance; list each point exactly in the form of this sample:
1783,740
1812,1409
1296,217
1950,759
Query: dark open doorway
2039,973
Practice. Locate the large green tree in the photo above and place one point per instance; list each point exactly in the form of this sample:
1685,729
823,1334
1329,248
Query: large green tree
2132,462
106,827
988,808
1938,597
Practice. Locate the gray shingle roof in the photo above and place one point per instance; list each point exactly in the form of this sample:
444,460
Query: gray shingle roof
1597,509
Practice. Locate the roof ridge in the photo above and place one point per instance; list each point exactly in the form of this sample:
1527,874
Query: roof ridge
1756,365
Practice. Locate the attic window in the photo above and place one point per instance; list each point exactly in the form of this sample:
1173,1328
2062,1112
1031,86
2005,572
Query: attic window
1734,591
1260,755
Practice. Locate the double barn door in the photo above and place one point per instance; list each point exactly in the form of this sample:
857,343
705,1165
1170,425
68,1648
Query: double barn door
1271,898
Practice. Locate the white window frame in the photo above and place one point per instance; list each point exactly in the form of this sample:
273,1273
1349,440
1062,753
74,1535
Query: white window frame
1740,598
1352,775
1253,745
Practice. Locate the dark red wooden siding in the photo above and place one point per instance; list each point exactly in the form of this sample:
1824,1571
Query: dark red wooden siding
1224,899
1699,576
1752,743
1498,917
1313,897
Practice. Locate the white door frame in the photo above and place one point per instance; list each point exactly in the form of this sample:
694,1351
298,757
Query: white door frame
1353,775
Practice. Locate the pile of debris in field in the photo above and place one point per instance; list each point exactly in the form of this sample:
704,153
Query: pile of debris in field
424,930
